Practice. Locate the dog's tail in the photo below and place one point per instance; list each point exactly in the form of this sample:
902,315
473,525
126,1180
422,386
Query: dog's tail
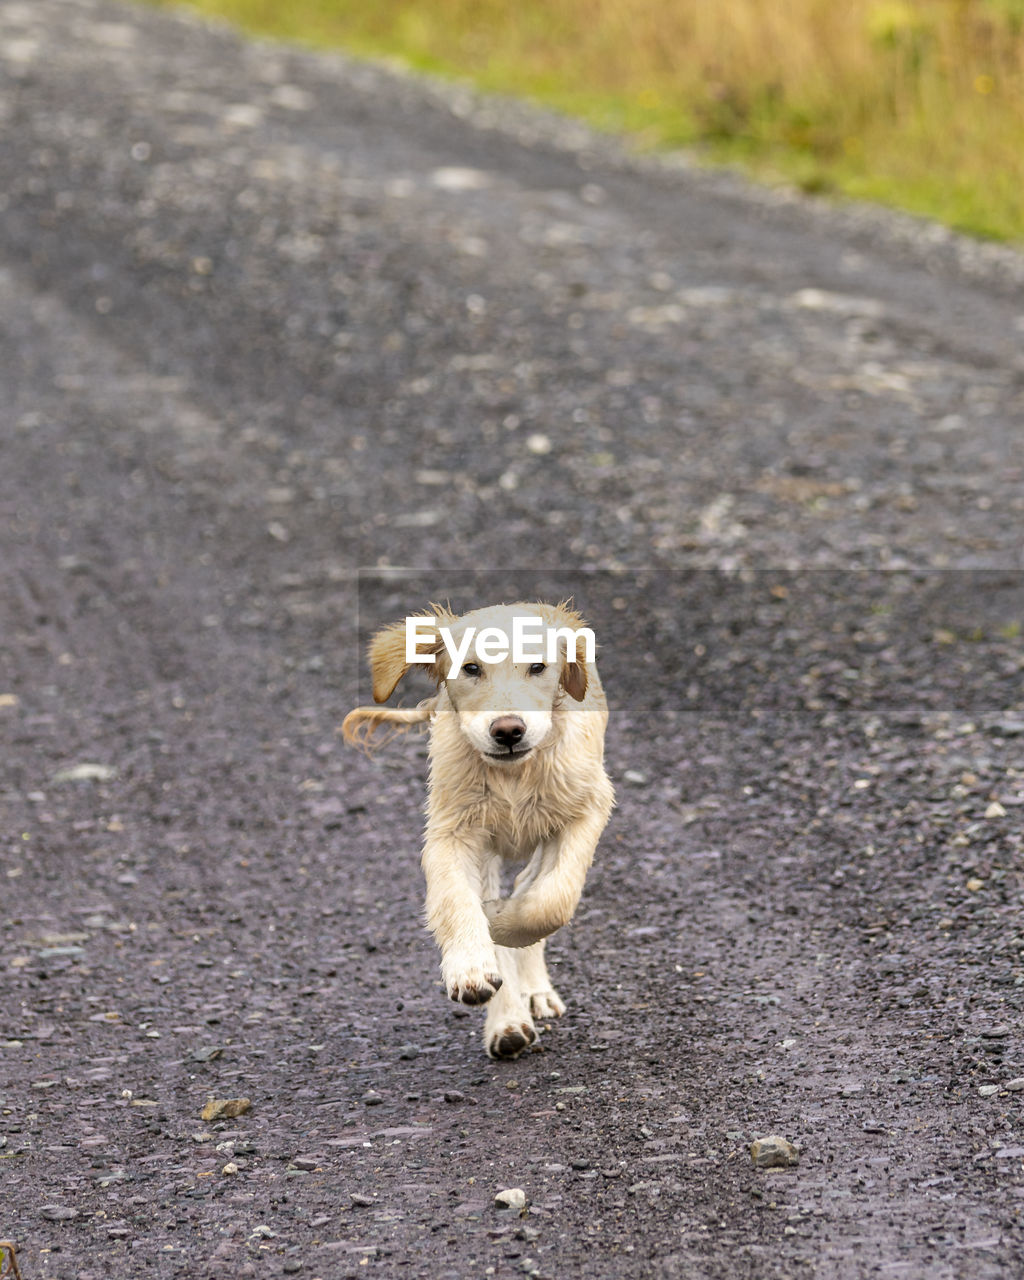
362,725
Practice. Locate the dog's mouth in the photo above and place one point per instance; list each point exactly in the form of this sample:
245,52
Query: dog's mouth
512,756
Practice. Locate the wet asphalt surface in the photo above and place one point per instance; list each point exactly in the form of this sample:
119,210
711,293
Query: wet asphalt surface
270,319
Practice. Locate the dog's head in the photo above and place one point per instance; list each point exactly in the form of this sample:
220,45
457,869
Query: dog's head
506,669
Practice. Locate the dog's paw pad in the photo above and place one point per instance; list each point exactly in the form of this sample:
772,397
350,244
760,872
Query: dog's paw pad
546,1004
474,988
510,1041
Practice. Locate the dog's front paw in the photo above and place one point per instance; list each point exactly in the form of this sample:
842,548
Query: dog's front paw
508,1040
546,1004
471,984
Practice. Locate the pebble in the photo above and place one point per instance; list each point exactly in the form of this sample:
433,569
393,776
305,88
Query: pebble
996,1033
452,178
409,1051
453,1096
57,1213
995,810
987,1090
1008,728
1015,1086
635,778
85,773
513,1198
207,1053
372,1098
225,1108
773,1153
230,1168
291,1266
361,1201
292,98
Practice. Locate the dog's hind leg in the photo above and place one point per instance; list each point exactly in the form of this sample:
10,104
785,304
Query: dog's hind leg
509,1027
529,873
543,999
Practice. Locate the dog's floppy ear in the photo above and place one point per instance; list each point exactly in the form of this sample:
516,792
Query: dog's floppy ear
574,675
388,663
574,663
387,660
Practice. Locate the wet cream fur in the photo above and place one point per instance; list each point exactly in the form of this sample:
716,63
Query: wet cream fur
545,807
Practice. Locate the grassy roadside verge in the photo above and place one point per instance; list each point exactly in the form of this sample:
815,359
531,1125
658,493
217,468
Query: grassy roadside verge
918,104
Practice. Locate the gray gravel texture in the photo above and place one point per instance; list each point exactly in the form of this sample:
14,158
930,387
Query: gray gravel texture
270,317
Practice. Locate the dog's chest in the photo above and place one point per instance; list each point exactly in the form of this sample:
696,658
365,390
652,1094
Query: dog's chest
519,816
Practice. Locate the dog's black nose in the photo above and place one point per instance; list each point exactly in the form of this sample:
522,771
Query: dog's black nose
507,731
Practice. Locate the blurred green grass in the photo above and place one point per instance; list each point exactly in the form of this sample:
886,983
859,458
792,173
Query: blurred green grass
917,104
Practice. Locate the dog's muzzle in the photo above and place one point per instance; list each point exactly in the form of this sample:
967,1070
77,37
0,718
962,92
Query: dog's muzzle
506,733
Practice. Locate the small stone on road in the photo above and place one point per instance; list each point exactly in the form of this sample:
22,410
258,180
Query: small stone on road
773,1153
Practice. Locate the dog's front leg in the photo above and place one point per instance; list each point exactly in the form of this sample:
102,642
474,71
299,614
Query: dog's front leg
457,872
548,900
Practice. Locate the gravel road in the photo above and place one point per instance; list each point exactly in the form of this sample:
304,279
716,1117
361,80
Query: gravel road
292,345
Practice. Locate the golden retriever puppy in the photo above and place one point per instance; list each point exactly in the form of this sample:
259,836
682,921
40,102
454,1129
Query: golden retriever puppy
516,776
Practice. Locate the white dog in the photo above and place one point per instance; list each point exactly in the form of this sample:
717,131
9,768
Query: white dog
516,775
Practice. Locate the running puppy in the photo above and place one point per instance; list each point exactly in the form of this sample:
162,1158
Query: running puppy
516,775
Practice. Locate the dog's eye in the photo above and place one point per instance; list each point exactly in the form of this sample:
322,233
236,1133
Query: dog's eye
536,668
471,668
